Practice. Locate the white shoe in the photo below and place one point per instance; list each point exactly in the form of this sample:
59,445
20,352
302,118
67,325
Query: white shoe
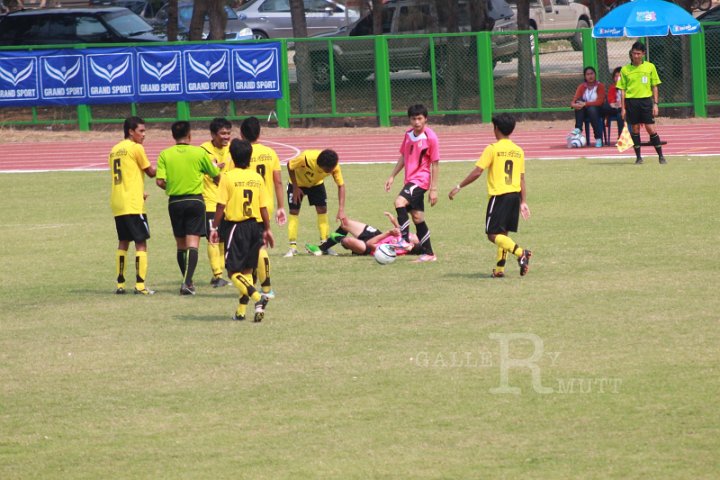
291,253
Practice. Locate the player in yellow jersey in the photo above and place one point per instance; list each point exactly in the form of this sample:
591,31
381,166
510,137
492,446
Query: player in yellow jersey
242,200
307,173
266,163
217,147
128,166
505,163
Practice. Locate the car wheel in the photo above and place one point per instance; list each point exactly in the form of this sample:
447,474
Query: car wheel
321,74
259,35
576,40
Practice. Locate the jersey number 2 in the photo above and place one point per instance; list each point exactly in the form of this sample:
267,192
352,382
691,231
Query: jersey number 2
247,205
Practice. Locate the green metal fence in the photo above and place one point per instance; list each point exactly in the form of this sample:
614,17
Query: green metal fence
349,80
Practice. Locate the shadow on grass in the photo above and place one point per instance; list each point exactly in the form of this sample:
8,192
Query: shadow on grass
208,318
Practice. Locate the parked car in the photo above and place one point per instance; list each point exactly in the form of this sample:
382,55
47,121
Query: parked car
56,26
145,8
235,29
356,59
271,18
558,15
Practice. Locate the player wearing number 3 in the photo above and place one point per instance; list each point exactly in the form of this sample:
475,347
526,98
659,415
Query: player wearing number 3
505,163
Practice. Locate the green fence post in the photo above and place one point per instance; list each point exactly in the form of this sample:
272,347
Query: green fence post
382,80
84,116
590,56
699,73
183,110
282,104
486,81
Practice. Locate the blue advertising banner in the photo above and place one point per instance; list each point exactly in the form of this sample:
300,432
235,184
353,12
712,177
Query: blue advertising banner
140,74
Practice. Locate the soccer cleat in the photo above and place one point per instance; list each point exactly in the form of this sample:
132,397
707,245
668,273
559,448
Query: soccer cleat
662,160
218,282
425,257
144,291
187,289
639,161
291,253
237,317
524,262
260,308
270,294
497,274
598,143
336,237
120,291
313,249
330,252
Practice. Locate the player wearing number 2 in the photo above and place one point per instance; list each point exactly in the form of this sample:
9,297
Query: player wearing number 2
505,163
128,166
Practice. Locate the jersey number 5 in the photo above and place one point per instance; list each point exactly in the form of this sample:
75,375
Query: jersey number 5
117,174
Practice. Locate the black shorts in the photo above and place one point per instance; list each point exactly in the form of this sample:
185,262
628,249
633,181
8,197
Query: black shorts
317,196
187,215
132,228
415,197
243,245
639,110
502,213
368,233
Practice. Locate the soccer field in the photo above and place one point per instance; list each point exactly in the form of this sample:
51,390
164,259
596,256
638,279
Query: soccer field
602,362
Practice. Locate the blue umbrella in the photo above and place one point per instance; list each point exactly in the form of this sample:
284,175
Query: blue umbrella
646,18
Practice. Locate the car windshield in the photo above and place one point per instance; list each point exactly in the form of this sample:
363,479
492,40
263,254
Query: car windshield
127,23
247,5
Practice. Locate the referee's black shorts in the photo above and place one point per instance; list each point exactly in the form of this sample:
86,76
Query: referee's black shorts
242,246
187,215
639,110
503,212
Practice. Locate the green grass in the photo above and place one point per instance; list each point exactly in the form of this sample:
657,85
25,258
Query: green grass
368,371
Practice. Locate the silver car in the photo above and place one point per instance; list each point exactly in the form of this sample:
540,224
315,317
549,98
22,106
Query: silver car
235,29
271,18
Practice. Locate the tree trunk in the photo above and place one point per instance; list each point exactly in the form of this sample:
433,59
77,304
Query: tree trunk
525,94
172,25
449,53
197,22
303,64
377,8
479,19
217,18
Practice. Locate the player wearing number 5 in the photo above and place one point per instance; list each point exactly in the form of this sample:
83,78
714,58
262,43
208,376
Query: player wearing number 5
505,163
128,166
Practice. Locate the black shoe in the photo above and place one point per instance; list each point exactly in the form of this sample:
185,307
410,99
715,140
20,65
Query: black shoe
218,282
120,291
260,308
237,317
639,161
524,262
187,289
662,160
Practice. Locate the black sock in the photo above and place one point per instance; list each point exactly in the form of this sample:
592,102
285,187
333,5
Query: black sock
192,260
404,221
181,261
330,242
423,233
655,140
636,143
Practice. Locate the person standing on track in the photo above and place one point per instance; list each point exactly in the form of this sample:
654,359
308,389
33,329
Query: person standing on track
128,166
419,156
180,170
639,82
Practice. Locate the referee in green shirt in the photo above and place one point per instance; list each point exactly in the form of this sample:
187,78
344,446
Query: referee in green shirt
180,171
639,81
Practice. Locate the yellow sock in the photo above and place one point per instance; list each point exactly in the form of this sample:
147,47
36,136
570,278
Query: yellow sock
120,256
263,271
507,243
244,285
293,224
216,263
323,225
500,260
141,265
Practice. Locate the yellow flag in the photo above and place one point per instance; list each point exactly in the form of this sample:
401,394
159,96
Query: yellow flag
625,140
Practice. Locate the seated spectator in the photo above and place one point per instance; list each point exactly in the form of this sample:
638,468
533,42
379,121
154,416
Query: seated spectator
587,103
613,106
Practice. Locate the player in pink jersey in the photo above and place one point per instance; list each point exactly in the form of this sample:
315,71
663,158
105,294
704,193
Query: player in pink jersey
419,156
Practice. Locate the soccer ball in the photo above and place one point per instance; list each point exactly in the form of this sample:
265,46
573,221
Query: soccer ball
575,139
385,254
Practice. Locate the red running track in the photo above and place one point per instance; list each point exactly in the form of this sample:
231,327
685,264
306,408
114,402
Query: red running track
540,143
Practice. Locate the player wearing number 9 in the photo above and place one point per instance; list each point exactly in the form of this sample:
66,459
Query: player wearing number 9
505,163
128,166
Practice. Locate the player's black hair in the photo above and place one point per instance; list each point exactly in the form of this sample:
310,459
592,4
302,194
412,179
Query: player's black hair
218,124
591,68
240,151
418,109
616,71
132,123
505,123
250,129
180,129
327,160
638,46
